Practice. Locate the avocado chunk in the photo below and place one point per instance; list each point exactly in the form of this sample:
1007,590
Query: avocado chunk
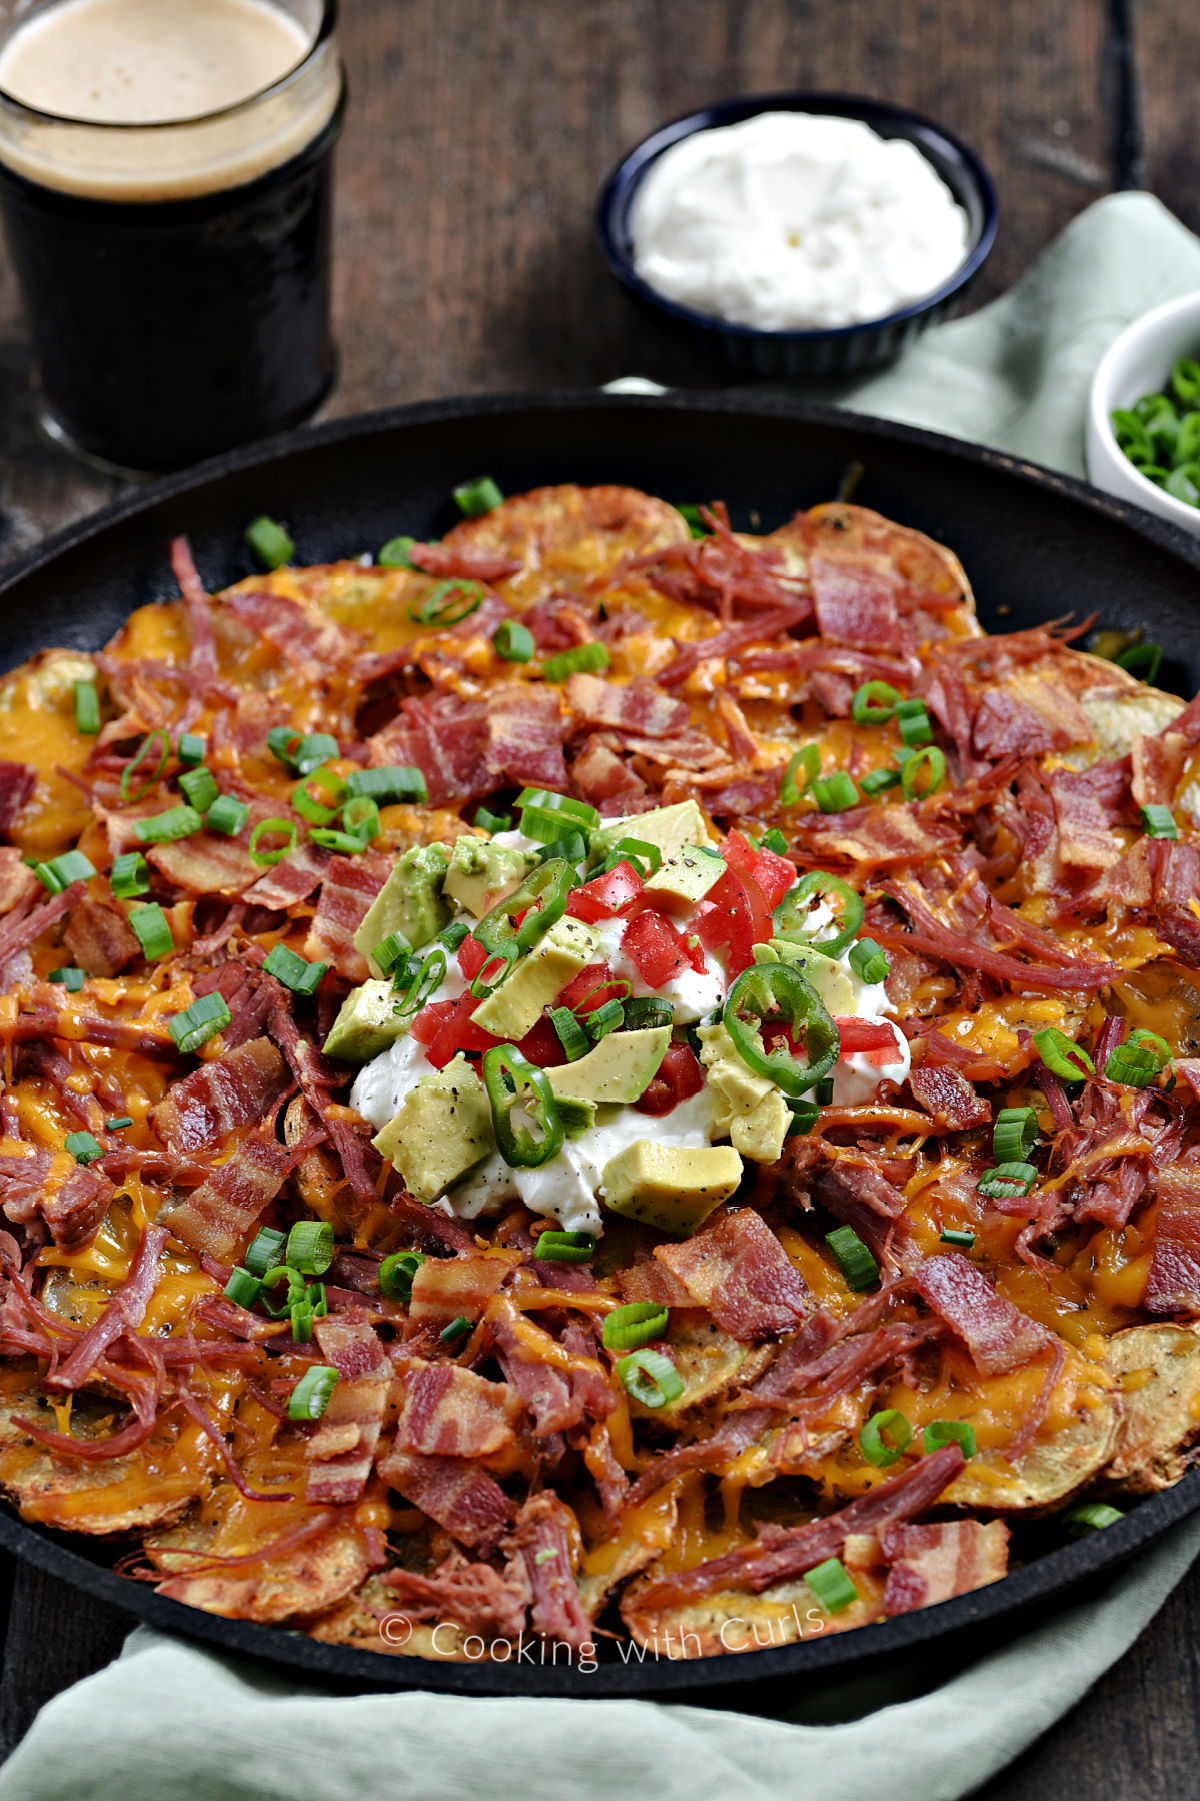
577,1116
443,1130
686,877
671,828
621,1067
670,1186
409,902
367,1024
482,873
749,1108
516,1006
830,978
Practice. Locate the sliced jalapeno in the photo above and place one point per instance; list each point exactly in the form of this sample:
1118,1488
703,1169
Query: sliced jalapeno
541,898
510,1082
791,915
777,994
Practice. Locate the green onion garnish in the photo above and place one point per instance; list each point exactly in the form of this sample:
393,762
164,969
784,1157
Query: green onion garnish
852,1257
60,872
835,793
1159,822
166,828
945,1432
803,763
642,856
396,1274
390,951
310,1397
192,748
559,803
152,930
87,709
272,828
805,1115
581,659
626,1328
295,972
266,1252
1007,1181
650,1378
881,1451
831,1585
447,603
227,815
1090,1516
1069,1061
83,1147
199,1022
200,788
874,703
475,498
1142,660
301,752
396,782
1014,1134
330,786
130,875
277,1274
571,1034
913,721
71,979
648,1010
493,822
142,760
118,1125
963,1239
458,1328
695,519
347,844
564,1247
877,781
242,1288
451,936
397,554
923,773
310,1246
1140,1060
513,641
775,840
869,963
360,817
269,542
603,1020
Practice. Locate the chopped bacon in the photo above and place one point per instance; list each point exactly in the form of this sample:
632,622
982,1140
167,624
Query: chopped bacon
123,1313
782,1552
17,783
601,776
638,706
1089,806
737,1268
473,1595
312,643
446,1411
445,738
855,603
1029,715
232,1091
1174,1281
542,1537
443,1288
203,658
525,730
948,1097
17,881
451,560
247,993
49,1185
217,1216
349,887
934,1563
342,1449
733,638
17,933
292,880
874,837
454,1491
998,1335
210,863
99,939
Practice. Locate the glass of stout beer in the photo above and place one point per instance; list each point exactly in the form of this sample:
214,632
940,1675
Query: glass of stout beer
165,170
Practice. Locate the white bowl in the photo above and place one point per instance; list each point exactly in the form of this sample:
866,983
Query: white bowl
1138,363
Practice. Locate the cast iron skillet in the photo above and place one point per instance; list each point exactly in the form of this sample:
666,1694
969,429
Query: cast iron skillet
1036,546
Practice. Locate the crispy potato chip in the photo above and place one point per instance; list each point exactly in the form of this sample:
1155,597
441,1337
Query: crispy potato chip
1050,1471
1159,1406
734,1621
312,1575
571,537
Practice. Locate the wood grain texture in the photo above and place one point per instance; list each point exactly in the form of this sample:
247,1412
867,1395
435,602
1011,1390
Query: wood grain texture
479,132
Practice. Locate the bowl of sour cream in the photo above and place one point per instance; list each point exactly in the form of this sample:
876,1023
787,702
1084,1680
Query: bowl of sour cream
800,234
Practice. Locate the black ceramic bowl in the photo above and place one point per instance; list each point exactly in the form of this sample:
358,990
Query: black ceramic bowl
845,350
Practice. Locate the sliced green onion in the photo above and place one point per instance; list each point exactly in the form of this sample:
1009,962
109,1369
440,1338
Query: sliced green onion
650,1378
869,963
1014,1134
199,1022
87,709
142,759
310,1246
130,875
284,743
279,1272
272,828
581,659
447,603
493,822
458,1328
360,817
852,1257
1069,1061
397,554
546,825
603,1020
227,815
805,1115
877,781
200,788
118,1125
806,763
881,1451
302,1315
152,929
295,972
242,1288
1142,660
559,803
775,840
390,951
83,1147
835,793
875,703
475,498
791,915
395,782
963,1239
1090,1516
191,748
929,763
913,721
71,979
642,856
168,827
396,1274
1159,822
648,1010
1140,1060
694,519
831,1585
564,1247
310,1397
574,847
60,872
347,844
269,542
946,1432
571,1034
626,1328
301,752
1007,1181
329,785
266,1252
1185,381
451,936
513,641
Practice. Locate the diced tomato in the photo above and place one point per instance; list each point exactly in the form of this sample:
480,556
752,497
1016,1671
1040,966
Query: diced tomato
606,896
773,874
652,943
733,919
446,1027
543,1046
471,958
429,1021
679,1077
867,1035
591,988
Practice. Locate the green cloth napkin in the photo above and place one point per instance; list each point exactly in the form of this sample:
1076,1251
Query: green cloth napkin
170,1722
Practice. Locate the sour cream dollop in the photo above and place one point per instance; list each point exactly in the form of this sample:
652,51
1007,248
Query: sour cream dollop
795,221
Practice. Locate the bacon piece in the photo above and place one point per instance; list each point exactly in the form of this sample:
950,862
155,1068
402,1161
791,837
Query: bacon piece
17,934
313,644
451,1412
1174,1280
875,837
449,560
342,1449
454,1491
637,706
17,783
99,939
235,1089
525,730
779,1553
737,1268
1028,715
855,603
350,885
210,863
17,881
474,1595
998,1335
860,1195
600,775
292,880
248,994
217,1216
123,1314
49,1185
445,1287
935,1563
542,1538
445,738
1089,804
948,1097
203,658
733,638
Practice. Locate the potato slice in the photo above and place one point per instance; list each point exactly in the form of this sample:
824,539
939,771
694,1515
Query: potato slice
1159,1407
732,1621
709,1362
305,1578
370,1620
571,537
1049,1472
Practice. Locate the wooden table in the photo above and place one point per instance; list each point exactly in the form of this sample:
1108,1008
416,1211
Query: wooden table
478,133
